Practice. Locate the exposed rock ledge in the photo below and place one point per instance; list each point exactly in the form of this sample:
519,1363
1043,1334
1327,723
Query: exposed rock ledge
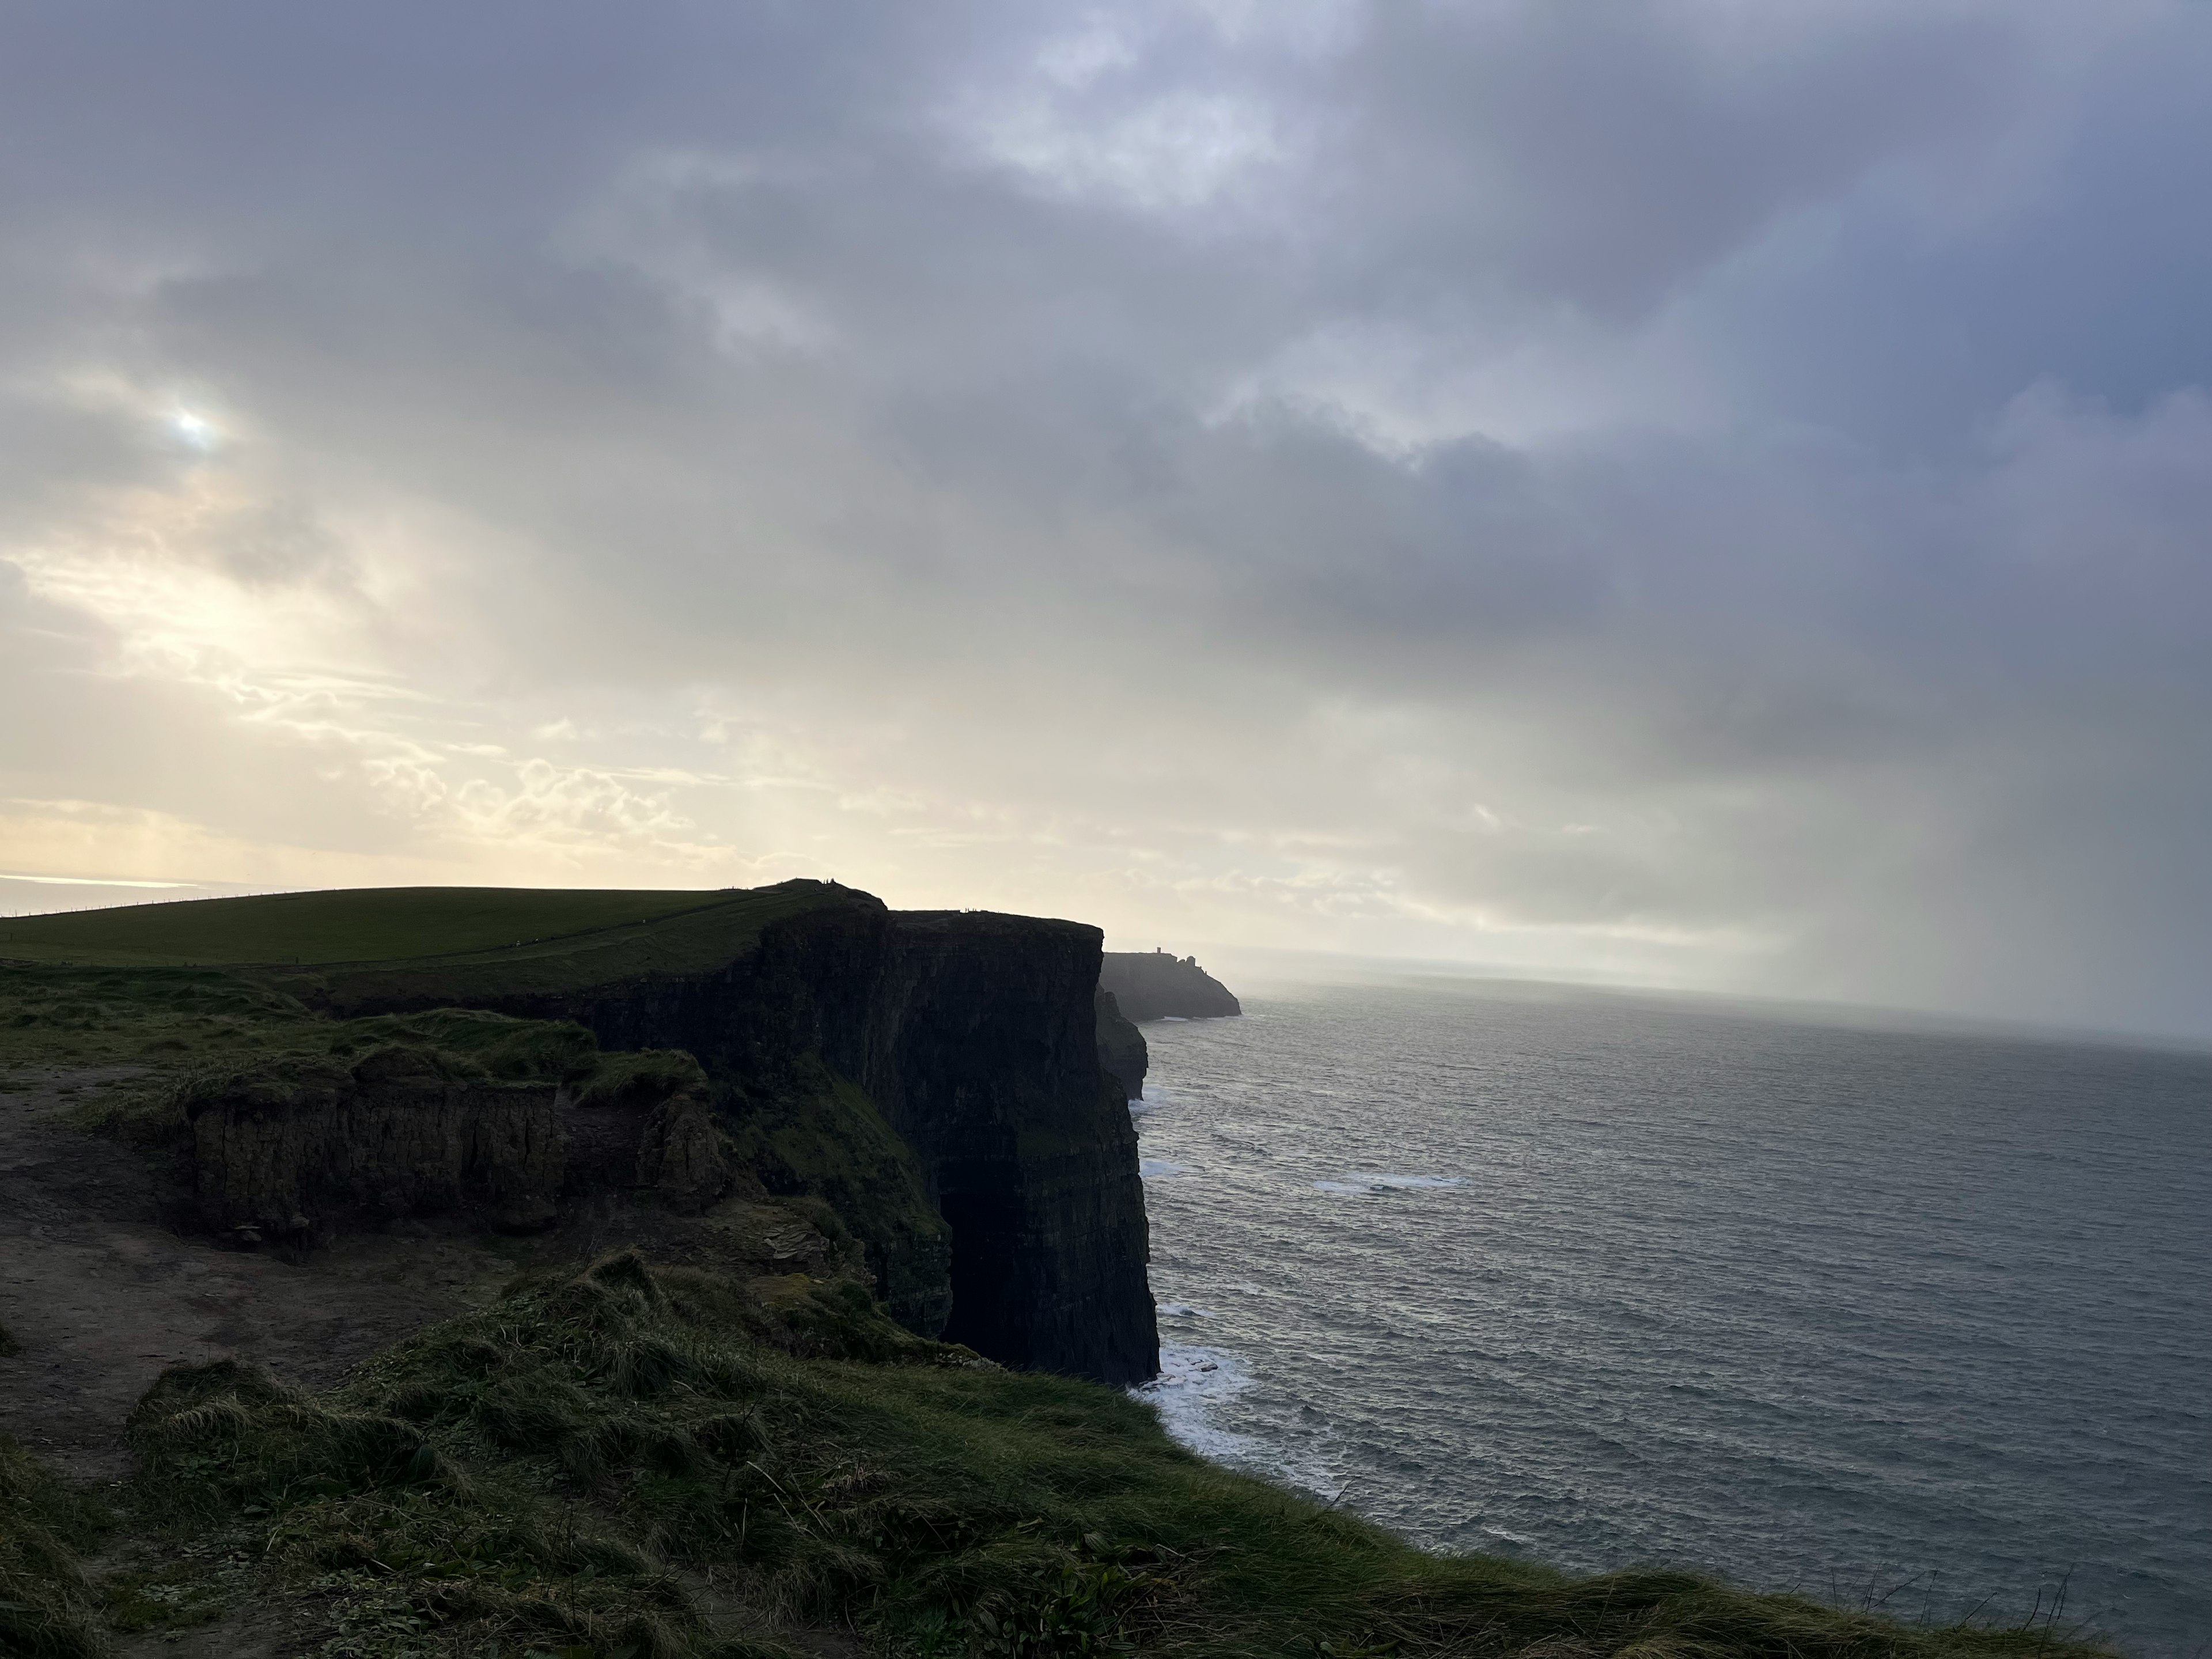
311,1150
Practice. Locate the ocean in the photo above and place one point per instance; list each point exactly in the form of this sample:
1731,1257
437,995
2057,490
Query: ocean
1907,1318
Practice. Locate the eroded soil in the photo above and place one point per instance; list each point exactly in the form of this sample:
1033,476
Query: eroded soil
99,1295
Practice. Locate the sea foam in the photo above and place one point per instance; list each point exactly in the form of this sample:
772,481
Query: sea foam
1191,1383
1194,1384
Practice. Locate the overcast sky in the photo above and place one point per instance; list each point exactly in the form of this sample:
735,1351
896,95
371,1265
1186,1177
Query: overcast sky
1696,492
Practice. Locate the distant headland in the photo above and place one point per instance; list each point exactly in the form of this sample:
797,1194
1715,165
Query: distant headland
1153,985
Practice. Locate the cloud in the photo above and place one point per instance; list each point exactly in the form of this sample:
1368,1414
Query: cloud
1664,489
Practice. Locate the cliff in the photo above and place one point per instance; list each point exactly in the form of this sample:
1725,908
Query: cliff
1121,1052
927,1085
933,1077
1153,985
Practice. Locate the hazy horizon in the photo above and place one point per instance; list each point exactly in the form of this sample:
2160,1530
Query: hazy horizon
1667,494
1263,972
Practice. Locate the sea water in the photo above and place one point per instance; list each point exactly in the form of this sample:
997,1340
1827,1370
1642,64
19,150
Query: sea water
1913,1319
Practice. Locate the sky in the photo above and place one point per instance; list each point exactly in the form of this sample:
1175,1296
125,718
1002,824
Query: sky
1679,492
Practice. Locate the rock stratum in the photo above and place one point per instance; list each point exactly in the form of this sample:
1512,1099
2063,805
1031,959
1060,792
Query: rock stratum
930,1080
1152,985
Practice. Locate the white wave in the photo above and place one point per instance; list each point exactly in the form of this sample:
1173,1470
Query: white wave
1363,1181
1155,1096
1185,1310
1191,1383
1158,1169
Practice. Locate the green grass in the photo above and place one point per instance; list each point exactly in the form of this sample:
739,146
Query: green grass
142,1043
359,925
107,1016
445,926
688,942
612,1461
376,949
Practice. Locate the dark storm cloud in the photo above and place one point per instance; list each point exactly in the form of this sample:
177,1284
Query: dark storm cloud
1670,488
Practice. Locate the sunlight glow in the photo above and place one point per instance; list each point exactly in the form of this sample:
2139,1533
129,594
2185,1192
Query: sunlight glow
195,430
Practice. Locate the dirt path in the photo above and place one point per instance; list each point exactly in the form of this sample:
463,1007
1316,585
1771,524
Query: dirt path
100,1297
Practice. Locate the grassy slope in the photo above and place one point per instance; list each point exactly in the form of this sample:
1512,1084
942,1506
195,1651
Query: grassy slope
415,947
146,1017
358,925
697,940
660,1463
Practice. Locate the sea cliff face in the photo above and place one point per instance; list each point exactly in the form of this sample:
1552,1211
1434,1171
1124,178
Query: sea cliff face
982,1050
1121,1052
933,1077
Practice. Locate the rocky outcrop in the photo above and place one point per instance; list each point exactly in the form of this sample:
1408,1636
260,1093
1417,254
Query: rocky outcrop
680,1155
1153,985
1121,1052
933,1077
305,1151
649,1128
310,1149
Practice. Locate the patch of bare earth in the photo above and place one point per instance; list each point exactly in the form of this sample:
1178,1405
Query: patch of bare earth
100,1296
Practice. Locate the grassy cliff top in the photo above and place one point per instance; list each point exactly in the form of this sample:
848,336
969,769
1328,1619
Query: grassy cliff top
392,947
359,925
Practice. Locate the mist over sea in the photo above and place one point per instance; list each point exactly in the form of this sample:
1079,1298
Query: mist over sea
1917,1318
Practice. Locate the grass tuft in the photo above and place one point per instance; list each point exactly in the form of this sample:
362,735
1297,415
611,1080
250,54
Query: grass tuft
47,1610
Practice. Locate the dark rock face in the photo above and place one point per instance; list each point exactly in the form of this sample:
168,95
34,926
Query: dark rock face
982,1049
1153,985
934,1077
1121,1052
388,1138
318,1148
